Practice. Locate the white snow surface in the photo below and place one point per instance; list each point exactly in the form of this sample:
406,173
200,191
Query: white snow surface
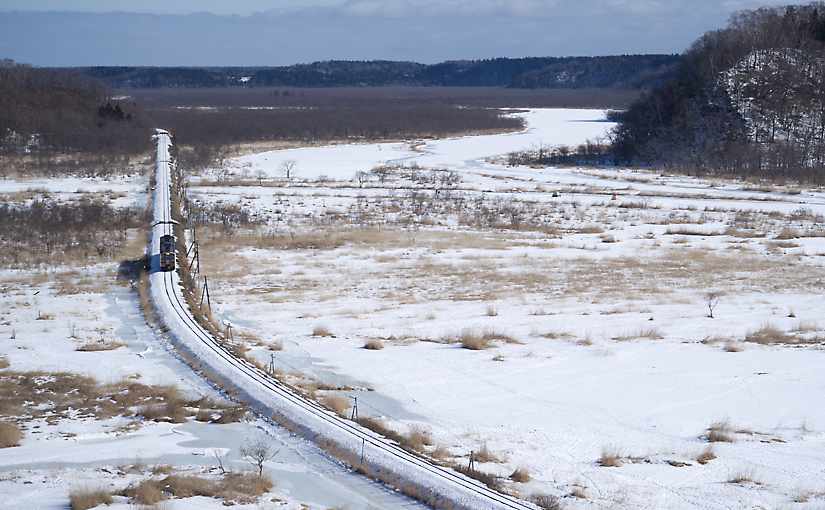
549,127
553,405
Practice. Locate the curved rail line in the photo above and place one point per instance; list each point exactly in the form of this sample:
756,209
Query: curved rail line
287,392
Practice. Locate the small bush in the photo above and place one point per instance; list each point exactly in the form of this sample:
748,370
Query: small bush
706,456
769,334
374,345
610,458
491,311
742,478
418,438
100,346
10,435
720,432
340,405
148,493
485,455
83,499
4,363
733,347
546,501
473,341
321,331
520,475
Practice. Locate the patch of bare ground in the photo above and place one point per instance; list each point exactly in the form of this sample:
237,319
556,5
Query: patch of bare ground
84,499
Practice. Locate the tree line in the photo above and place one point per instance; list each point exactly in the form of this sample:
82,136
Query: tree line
619,71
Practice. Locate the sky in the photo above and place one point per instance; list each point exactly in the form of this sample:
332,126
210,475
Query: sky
267,33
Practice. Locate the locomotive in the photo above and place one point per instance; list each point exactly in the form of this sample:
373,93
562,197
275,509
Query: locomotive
167,253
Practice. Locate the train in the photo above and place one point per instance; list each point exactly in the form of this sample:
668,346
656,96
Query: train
167,253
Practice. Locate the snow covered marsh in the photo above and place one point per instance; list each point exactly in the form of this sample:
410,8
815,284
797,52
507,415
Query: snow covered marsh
556,319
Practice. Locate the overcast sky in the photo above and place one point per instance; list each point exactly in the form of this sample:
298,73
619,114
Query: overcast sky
260,32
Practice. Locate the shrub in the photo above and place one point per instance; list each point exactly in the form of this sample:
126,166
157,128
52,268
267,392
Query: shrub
546,501
336,403
706,456
473,340
321,331
83,499
148,493
520,475
610,458
769,334
4,363
720,432
418,438
374,345
491,311
484,454
10,435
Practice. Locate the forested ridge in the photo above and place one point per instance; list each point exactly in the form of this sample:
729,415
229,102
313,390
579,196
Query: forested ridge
620,71
747,100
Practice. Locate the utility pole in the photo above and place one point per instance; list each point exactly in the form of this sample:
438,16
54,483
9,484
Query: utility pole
354,409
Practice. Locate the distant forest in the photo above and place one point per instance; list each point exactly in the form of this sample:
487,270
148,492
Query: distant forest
620,72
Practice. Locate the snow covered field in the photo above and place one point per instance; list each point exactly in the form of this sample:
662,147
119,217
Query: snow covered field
554,318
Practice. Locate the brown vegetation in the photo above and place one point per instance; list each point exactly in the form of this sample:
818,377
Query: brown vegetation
232,488
610,457
322,331
520,475
10,434
720,432
706,456
374,344
83,499
100,346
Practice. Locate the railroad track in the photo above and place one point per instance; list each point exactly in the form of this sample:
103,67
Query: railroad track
278,397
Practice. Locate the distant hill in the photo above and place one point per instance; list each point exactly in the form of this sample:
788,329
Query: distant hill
621,71
747,100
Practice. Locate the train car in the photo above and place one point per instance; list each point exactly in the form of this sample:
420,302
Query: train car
167,253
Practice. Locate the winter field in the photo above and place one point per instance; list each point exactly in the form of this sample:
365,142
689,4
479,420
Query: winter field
106,411
554,321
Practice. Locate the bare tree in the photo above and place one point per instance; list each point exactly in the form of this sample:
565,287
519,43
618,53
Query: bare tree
260,175
361,177
711,300
256,452
288,168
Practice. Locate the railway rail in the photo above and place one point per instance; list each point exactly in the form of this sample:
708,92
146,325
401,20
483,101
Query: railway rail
268,394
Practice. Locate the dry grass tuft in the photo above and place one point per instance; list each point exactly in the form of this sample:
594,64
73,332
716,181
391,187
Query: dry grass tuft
83,499
340,405
419,437
649,333
374,345
491,311
706,456
546,501
233,488
100,346
733,347
720,432
473,340
485,455
4,362
520,475
10,435
787,233
743,478
769,334
610,458
322,331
